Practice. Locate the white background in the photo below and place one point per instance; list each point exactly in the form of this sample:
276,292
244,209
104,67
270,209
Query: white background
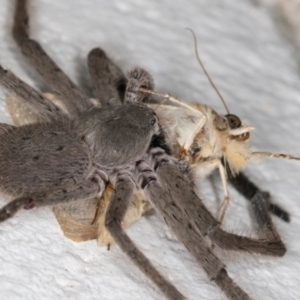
254,64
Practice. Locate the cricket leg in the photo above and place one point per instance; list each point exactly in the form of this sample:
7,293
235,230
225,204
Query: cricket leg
204,169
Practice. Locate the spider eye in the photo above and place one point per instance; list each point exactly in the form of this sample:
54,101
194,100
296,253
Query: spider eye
153,121
233,121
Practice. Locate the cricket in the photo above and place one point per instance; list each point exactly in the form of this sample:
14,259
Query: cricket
104,163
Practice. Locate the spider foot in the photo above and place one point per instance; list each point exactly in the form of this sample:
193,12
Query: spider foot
12,207
137,78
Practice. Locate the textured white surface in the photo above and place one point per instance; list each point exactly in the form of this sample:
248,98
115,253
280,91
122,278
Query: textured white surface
256,70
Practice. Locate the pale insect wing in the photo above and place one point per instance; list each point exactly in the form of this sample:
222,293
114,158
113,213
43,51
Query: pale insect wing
180,123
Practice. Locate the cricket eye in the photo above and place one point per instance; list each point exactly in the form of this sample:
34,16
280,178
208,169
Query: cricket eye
233,121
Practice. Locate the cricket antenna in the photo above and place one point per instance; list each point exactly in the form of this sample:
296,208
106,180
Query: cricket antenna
204,70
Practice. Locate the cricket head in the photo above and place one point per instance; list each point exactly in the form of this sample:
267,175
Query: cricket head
236,152
223,136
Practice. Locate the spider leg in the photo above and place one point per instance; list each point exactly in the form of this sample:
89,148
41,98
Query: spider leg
248,189
82,191
39,104
161,195
124,188
74,99
269,244
107,78
137,78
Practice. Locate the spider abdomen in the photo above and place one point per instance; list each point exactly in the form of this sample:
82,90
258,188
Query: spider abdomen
41,156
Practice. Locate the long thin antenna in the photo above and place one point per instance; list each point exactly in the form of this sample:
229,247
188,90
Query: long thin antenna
204,70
